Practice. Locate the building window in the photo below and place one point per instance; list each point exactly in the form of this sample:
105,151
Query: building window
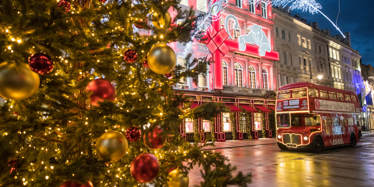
304,65
276,32
252,77
291,59
258,121
226,122
224,72
238,73
289,36
299,39
283,35
264,10
202,81
239,3
265,82
252,6
189,125
285,57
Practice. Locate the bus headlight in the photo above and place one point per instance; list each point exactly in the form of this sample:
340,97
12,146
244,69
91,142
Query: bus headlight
279,136
305,138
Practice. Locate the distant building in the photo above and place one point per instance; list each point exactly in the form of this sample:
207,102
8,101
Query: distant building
309,54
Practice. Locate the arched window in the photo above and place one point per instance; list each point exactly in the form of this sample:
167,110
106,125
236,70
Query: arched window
265,81
224,73
238,73
252,77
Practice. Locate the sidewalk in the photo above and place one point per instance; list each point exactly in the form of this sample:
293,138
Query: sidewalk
240,143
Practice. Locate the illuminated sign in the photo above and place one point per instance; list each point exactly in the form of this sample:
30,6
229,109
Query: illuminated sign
334,106
291,104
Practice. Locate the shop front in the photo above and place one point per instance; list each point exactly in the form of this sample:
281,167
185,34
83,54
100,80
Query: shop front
244,119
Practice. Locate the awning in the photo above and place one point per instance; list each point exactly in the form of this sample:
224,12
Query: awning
272,107
233,108
248,108
194,105
262,108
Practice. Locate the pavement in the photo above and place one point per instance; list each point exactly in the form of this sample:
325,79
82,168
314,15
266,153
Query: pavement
270,167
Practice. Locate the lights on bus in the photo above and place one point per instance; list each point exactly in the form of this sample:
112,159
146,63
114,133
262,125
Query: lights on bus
305,138
279,136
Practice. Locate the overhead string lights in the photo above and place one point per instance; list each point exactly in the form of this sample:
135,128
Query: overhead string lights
308,6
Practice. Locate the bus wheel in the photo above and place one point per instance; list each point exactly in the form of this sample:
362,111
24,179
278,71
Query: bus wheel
282,147
317,145
353,140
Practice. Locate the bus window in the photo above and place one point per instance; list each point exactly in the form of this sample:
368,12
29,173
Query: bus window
340,97
284,95
298,120
323,94
283,120
332,95
353,98
347,98
312,92
350,122
312,121
299,93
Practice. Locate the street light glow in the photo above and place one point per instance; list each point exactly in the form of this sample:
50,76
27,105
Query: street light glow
320,77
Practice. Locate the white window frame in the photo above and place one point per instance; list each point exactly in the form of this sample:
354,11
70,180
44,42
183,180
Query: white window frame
239,3
251,77
238,73
265,79
225,72
252,6
264,10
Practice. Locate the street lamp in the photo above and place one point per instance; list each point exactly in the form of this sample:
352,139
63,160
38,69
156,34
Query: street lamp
319,77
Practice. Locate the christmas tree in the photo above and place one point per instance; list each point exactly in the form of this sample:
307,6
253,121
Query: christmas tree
87,99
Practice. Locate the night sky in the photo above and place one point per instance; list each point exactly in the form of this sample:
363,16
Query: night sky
356,17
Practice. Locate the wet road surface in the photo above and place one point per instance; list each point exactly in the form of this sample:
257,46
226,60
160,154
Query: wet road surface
269,166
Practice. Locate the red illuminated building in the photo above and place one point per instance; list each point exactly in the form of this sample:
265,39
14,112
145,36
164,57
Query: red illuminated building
240,42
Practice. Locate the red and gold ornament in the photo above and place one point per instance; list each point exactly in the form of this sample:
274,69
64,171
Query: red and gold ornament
133,134
130,56
41,63
64,4
154,138
101,90
145,167
76,184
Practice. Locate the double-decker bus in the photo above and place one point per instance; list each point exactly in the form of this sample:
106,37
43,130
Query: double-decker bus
310,116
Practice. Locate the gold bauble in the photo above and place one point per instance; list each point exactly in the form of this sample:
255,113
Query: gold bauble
177,179
161,58
112,146
160,20
17,81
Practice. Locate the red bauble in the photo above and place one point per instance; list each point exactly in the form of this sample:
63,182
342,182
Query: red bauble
76,184
65,4
101,90
133,134
145,64
154,138
130,56
41,63
144,167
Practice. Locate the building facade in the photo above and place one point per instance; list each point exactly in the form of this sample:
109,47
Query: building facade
241,44
309,54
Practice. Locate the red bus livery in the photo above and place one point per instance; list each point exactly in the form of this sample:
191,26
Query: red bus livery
310,116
